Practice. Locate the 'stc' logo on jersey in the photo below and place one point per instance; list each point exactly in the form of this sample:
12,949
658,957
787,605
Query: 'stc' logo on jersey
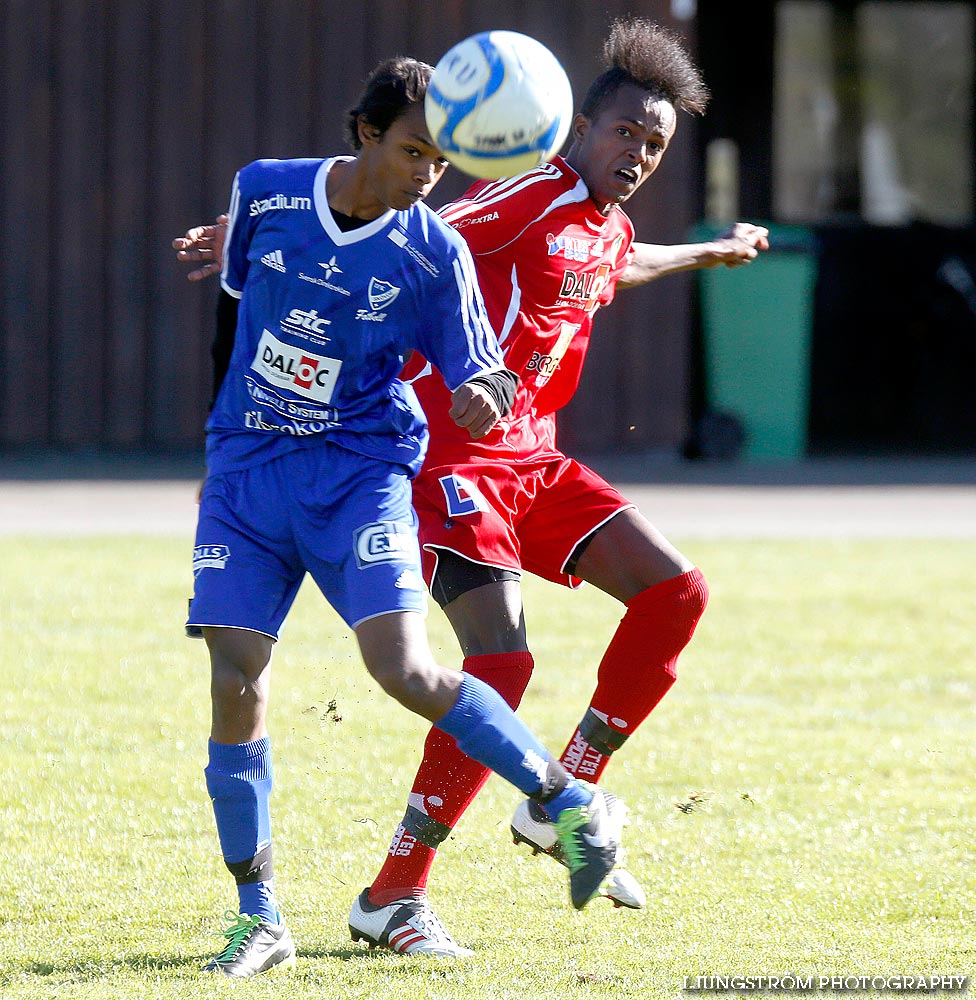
310,375
306,319
382,541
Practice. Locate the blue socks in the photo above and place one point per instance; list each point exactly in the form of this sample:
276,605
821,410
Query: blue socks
240,776
574,794
487,730
239,780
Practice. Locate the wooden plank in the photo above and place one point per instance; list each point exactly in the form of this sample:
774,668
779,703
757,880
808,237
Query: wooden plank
129,119
175,351
80,197
25,177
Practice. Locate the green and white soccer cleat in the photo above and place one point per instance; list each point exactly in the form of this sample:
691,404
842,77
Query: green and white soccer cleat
407,926
530,825
590,840
254,946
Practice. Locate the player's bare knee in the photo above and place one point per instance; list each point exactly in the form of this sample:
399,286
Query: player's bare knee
489,619
239,707
239,664
421,686
398,678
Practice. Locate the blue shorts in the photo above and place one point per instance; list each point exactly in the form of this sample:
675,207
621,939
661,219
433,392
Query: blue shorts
345,519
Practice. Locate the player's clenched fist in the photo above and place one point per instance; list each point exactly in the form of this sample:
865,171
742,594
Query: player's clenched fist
474,409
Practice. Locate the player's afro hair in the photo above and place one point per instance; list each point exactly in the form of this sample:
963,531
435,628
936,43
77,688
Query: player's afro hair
390,89
637,51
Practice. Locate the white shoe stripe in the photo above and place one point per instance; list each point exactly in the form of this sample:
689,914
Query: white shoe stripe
404,938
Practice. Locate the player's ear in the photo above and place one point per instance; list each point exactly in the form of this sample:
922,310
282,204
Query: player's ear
368,134
581,125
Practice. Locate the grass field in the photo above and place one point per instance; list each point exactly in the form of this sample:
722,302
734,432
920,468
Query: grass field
802,802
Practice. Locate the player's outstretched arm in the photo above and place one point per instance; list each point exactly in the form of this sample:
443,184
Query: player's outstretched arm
203,243
737,245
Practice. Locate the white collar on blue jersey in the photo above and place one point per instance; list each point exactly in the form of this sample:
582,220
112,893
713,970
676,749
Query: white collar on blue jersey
335,234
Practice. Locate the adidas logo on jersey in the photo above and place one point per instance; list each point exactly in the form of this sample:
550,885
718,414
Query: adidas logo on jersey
274,260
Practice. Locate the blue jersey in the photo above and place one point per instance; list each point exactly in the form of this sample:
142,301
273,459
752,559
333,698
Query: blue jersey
327,317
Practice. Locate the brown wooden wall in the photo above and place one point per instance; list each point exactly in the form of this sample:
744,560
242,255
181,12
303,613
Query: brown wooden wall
123,122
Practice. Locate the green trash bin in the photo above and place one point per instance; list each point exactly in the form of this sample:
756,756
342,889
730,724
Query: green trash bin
756,326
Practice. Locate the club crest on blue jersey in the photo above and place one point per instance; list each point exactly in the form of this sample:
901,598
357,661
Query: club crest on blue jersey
381,293
382,541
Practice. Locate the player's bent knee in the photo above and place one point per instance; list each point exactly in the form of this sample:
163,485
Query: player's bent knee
239,665
687,600
235,651
422,687
695,594
238,707
663,619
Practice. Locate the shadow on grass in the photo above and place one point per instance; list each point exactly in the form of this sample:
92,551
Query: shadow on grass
360,953
83,970
89,971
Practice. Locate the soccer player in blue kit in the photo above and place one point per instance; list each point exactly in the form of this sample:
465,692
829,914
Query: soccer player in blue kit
340,271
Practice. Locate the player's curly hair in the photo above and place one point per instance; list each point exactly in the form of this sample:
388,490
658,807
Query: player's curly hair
641,52
390,89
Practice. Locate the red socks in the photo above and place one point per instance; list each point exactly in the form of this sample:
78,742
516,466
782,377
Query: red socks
637,670
446,783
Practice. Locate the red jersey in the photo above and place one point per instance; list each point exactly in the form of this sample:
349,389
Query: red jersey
546,260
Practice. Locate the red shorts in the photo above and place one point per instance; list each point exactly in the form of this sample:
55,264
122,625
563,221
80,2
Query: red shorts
529,516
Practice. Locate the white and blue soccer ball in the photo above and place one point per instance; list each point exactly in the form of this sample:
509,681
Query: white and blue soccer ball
499,103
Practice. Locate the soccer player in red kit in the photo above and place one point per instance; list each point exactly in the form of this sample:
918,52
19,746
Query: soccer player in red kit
550,246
